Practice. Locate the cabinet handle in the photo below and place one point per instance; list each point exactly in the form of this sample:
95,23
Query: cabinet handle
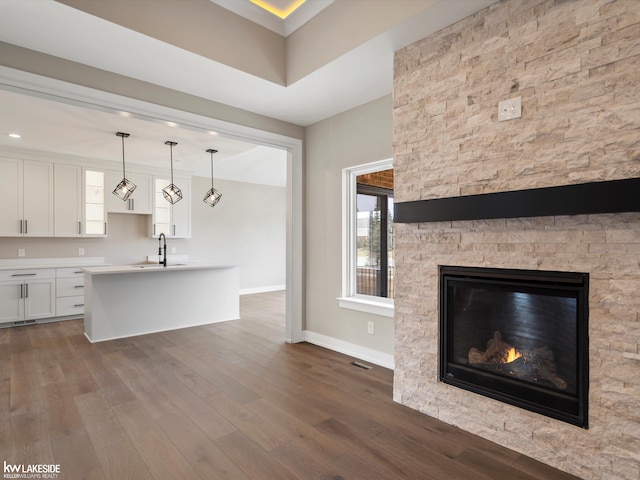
22,290
133,204
105,228
26,227
154,229
78,286
79,305
26,290
79,228
21,226
24,275
78,271
174,230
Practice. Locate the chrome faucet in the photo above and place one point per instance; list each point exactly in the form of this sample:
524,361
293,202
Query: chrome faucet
162,249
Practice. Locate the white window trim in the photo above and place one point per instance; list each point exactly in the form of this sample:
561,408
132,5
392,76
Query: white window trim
350,299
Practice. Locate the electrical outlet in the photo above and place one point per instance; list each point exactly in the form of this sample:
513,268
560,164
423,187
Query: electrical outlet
21,252
80,252
510,109
371,329
173,249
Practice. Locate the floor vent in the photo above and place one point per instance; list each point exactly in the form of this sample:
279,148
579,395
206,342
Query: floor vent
361,365
23,322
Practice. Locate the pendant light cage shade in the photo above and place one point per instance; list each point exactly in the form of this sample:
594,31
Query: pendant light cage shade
171,192
213,196
126,187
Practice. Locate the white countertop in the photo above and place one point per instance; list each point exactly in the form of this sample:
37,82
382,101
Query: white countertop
32,263
151,267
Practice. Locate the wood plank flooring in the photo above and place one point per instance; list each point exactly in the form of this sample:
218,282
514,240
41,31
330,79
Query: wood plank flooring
223,401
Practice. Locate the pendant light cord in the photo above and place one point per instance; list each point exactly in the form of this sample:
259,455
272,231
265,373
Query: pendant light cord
123,172
171,146
212,170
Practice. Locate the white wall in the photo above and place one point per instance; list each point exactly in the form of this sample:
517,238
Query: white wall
357,136
247,228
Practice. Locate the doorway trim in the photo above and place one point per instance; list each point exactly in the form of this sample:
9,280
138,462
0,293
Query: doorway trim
64,92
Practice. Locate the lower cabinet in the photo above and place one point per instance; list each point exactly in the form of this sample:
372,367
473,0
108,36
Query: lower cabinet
26,296
69,291
29,296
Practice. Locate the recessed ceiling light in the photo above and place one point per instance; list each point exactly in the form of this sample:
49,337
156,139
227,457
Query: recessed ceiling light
15,135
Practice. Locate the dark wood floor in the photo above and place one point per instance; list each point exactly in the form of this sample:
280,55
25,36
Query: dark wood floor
224,401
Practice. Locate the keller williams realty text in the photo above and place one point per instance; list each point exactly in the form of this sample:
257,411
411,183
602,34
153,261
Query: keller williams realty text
31,471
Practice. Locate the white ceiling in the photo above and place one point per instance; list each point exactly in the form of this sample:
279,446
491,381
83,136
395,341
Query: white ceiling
361,75
64,129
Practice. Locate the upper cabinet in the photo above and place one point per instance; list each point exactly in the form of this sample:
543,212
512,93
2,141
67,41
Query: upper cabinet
95,209
43,199
67,200
140,199
79,202
11,212
172,220
28,198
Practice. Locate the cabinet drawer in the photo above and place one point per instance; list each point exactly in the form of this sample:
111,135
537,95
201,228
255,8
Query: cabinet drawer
27,274
70,306
69,272
69,287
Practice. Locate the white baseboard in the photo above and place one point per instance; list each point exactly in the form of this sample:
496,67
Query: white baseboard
269,288
351,349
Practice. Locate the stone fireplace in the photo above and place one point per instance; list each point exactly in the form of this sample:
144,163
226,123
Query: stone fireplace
574,64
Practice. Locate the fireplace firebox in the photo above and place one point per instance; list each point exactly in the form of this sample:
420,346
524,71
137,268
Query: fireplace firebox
518,336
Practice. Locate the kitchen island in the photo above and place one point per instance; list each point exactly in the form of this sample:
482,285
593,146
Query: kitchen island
129,300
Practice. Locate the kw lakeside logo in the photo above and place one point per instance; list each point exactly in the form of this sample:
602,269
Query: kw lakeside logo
37,470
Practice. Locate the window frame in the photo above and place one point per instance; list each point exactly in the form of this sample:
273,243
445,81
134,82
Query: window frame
349,298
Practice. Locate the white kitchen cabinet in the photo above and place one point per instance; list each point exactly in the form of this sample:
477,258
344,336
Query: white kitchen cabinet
181,211
27,295
39,299
69,291
67,200
11,302
38,199
140,200
172,220
11,211
94,205
27,198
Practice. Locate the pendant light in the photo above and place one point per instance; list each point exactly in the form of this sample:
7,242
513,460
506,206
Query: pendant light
213,196
171,192
125,188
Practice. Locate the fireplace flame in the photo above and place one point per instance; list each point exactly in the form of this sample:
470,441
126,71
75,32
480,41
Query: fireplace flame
512,354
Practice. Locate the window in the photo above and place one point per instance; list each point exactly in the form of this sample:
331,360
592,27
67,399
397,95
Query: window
374,239
368,265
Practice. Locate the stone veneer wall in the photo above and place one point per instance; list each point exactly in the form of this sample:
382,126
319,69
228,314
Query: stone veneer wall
576,65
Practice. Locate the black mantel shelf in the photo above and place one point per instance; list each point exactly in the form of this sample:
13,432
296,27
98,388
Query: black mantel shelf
614,196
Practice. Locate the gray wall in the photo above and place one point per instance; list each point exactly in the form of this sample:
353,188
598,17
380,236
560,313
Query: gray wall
247,228
357,136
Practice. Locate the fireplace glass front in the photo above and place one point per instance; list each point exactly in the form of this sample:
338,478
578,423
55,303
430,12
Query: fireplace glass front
518,336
